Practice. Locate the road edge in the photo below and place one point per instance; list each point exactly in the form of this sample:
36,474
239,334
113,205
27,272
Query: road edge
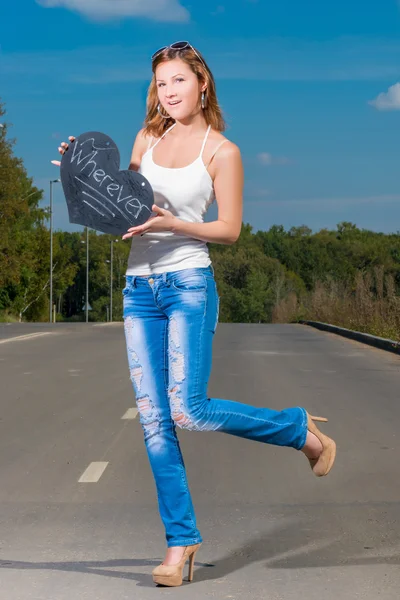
365,338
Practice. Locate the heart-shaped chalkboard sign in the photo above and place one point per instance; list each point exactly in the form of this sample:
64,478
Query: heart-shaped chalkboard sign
98,194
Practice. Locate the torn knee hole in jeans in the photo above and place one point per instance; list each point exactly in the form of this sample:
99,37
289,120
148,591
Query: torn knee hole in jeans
176,357
148,415
177,364
129,327
136,371
177,411
136,377
174,332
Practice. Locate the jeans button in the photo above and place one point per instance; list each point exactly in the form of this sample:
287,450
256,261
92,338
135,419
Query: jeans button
151,280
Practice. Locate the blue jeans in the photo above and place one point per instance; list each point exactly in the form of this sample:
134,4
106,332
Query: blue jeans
170,320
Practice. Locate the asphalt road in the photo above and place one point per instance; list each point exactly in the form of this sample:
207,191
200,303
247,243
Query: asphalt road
272,530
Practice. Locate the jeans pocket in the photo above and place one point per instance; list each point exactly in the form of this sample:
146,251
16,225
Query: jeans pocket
189,282
128,285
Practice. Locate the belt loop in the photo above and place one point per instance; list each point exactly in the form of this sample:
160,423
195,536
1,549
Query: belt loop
133,284
164,278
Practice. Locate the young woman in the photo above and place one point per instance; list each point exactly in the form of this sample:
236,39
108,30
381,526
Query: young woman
171,301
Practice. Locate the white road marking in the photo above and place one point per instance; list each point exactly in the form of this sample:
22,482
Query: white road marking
131,413
29,336
74,372
93,473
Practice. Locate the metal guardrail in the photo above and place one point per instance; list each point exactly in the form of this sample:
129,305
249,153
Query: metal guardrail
365,338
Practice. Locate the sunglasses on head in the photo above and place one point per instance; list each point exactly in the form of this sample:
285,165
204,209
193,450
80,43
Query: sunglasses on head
177,46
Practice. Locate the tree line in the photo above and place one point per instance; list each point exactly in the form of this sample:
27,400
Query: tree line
347,276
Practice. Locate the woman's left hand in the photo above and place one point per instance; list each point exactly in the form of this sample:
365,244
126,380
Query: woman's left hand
164,220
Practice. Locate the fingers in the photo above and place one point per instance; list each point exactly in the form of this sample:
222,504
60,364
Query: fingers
134,231
62,150
157,209
64,146
140,230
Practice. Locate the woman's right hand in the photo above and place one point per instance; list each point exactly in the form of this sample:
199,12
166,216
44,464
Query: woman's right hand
62,149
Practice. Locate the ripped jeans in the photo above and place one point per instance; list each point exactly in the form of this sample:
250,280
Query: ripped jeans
170,320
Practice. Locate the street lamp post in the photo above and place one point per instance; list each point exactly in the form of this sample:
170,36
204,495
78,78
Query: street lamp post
111,280
87,274
51,249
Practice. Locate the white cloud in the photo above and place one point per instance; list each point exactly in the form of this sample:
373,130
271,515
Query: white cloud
389,100
266,159
101,10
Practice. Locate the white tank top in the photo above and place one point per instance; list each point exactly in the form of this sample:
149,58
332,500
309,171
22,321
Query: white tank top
187,192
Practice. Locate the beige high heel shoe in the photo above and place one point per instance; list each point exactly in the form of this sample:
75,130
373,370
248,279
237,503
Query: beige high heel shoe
172,575
324,463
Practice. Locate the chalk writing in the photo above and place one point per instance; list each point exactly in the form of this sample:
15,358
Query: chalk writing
99,176
97,191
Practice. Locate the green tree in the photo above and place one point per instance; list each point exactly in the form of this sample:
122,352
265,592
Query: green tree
25,241
22,229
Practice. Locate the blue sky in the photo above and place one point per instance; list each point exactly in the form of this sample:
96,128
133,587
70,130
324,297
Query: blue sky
310,90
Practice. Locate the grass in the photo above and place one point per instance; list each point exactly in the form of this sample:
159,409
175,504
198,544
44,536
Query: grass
6,317
369,305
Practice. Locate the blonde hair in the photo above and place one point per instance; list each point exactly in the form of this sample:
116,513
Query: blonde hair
154,123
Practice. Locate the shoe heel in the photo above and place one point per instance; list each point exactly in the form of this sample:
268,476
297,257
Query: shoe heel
191,566
172,575
324,463
319,419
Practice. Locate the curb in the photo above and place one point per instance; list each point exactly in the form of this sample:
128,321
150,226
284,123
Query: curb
365,338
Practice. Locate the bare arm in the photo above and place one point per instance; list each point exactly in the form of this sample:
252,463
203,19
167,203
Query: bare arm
228,185
139,148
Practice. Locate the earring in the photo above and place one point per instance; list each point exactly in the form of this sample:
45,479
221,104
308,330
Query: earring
160,113
203,100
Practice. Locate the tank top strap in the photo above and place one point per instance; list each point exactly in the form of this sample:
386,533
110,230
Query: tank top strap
205,141
215,152
164,134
